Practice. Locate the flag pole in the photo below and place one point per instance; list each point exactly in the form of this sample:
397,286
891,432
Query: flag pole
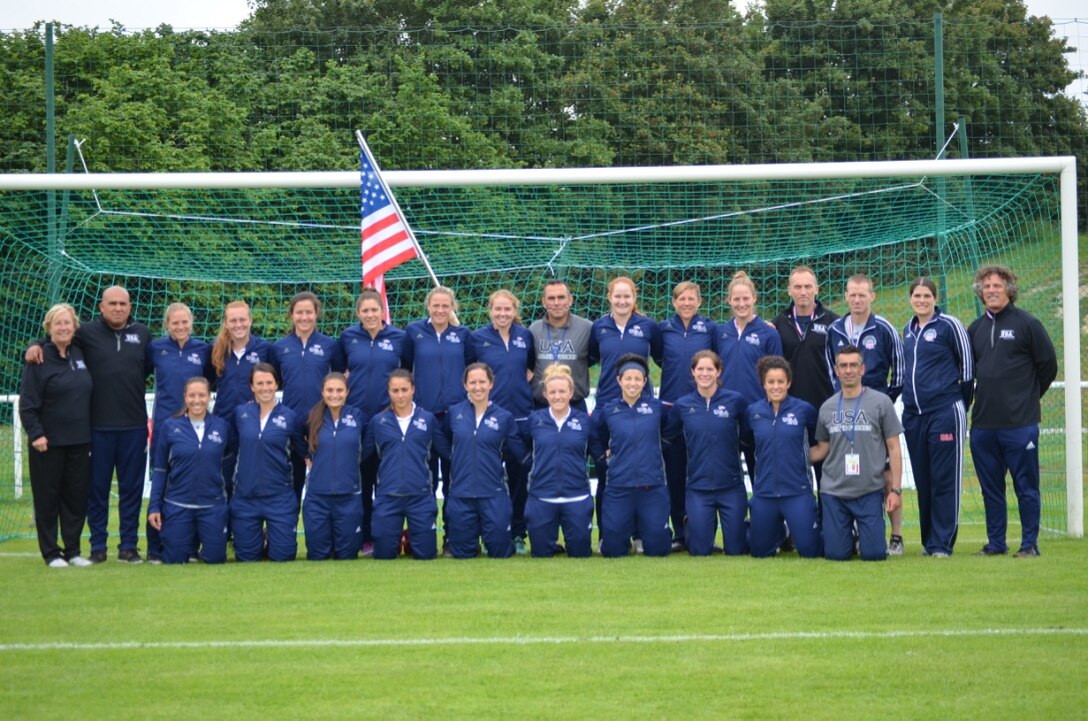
392,199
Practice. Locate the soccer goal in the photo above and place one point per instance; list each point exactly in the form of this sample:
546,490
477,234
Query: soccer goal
206,239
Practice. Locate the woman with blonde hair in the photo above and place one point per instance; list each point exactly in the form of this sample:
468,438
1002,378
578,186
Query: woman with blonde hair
55,408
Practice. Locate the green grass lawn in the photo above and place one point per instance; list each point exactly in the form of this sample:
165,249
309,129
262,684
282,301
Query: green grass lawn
964,637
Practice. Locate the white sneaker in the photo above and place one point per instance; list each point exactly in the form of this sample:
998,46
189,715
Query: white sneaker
79,562
638,545
58,563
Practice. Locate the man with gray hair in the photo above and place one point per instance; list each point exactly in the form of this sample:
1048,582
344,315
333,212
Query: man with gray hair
1015,364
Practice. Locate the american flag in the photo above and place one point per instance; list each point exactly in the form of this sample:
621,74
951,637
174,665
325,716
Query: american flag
386,240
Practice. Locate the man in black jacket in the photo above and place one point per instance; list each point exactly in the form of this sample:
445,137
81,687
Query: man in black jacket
1015,364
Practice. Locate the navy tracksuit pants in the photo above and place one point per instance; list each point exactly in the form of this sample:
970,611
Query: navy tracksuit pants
1015,450
935,444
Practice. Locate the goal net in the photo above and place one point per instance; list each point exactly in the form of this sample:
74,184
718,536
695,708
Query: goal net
207,239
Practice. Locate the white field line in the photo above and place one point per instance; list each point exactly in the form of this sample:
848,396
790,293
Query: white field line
544,640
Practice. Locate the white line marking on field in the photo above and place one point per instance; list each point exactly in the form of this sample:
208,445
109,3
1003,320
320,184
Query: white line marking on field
543,640
19,554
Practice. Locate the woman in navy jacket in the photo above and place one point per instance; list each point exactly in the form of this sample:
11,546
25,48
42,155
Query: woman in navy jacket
627,436
234,354
265,433
188,500
559,493
333,505
173,359
783,428
939,372
303,358
436,350
682,336
709,421
480,433
506,346
404,436
742,341
372,350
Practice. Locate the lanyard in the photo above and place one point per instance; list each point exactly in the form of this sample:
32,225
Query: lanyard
801,331
853,421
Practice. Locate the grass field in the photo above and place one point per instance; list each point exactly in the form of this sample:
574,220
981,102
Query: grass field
637,638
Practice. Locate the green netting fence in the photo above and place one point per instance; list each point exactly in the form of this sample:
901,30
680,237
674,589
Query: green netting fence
208,247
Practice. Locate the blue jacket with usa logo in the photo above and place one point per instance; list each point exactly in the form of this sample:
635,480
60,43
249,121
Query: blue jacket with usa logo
782,444
334,468
633,435
741,351
711,429
402,457
232,387
678,345
509,363
940,367
370,361
173,366
476,469
607,344
881,351
437,363
559,454
187,470
302,368
264,455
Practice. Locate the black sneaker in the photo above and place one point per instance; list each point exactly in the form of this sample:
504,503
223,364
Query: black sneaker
895,545
1032,552
987,551
129,555
97,557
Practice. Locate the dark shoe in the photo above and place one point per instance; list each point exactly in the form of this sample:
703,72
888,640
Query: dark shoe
520,548
97,557
1032,552
559,548
787,544
895,546
129,555
677,546
987,551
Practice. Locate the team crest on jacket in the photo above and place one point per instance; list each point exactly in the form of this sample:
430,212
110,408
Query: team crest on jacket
419,423
194,358
132,338
491,423
930,335
385,345
636,331
349,421
698,327
721,412
818,328
280,422
214,437
790,419
316,350
645,409
1008,334
574,425
868,343
752,338
81,366
518,343
453,338
253,358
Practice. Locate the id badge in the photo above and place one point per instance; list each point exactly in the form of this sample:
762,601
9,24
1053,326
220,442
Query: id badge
853,464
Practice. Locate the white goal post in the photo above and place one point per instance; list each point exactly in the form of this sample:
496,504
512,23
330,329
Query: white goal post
1064,167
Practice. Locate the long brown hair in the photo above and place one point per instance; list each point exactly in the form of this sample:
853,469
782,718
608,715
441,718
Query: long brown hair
317,413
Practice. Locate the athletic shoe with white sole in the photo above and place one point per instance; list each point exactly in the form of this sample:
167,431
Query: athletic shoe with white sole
58,563
79,562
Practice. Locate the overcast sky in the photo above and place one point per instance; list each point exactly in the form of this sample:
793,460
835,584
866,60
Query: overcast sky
137,14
